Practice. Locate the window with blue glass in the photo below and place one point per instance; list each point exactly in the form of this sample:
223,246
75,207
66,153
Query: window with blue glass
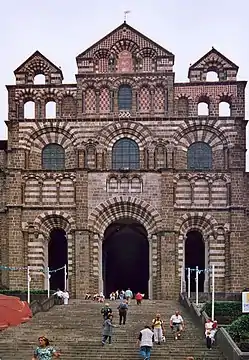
125,98
125,154
199,156
53,157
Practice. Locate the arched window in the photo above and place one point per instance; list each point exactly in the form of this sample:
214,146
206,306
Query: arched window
124,97
199,156
212,76
53,157
125,154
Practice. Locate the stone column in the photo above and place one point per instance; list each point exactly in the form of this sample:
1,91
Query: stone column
82,263
170,285
206,240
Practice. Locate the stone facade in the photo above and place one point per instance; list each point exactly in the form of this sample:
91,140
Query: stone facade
164,194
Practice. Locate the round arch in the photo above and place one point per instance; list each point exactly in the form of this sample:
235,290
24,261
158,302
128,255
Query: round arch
124,207
49,220
200,226
207,132
111,133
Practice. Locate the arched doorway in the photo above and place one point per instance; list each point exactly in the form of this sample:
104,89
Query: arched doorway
195,256
57,258
125,257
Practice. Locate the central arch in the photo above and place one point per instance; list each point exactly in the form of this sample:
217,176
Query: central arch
125,257
118,209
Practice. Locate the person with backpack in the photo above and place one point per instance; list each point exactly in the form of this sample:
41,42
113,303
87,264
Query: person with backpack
106,310
158,328
122,309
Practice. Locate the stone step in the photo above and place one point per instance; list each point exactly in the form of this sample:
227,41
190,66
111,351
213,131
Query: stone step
76,330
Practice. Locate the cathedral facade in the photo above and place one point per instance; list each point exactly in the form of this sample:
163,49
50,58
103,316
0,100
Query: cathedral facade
126,176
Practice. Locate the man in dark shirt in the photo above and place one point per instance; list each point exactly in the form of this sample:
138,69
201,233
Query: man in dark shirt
122,309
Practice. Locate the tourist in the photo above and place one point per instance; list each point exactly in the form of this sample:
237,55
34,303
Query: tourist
145,342
122,309
65,296
112,296
106,310
121,295
139,298
158,328
177,324
128,295
107,330
101,298
87,296
210,331
117,294
44,351
58,293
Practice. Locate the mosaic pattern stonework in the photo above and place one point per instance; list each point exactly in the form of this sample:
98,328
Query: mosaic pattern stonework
157,183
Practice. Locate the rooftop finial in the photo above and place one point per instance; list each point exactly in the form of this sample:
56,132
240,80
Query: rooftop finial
125,15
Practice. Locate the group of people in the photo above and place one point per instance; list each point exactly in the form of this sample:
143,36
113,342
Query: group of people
147,336
116,295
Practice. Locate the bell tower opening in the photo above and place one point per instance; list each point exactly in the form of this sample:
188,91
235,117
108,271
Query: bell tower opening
125,256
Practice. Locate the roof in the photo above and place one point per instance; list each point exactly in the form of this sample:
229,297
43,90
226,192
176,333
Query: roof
125,25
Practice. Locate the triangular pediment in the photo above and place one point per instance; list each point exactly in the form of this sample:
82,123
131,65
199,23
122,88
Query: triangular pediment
37,61
213,57
125,35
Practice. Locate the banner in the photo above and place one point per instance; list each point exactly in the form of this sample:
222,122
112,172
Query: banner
245,302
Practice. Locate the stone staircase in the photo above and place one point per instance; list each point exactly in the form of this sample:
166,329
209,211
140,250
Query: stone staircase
76,330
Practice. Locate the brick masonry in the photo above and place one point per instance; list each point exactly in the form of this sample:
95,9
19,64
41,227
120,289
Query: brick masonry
163,194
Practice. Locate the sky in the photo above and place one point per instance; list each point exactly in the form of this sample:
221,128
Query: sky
62,29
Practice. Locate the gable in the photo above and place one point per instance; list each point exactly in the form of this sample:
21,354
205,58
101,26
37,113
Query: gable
38,63
213,57
126,37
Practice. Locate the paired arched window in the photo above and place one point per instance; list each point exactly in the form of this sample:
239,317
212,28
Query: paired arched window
125,154
199,156
124,97
53,157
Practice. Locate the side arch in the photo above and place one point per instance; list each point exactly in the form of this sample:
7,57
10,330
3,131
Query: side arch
54,219
124,207
188,133
199,221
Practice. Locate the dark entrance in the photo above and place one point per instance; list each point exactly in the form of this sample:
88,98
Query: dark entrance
125,257
195,256
57,257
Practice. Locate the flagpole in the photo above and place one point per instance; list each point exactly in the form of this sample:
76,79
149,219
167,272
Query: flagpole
189,290
65,277
28,280
48,282
213,292
197,285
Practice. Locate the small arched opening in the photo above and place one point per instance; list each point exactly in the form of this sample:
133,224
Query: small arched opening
57,258
195,256
212,76
125,257
29,110
39,79
50,110
224,109
203,108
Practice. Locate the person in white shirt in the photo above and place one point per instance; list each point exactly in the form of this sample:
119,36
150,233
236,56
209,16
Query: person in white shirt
177,324
65,297
59,293
145,342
